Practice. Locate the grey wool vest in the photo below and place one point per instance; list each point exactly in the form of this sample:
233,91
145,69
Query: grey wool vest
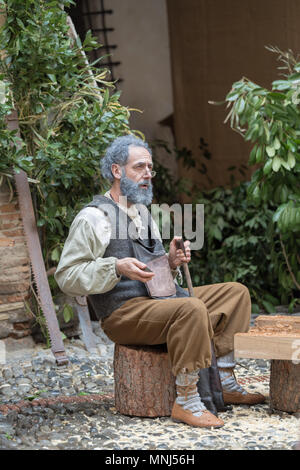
124,243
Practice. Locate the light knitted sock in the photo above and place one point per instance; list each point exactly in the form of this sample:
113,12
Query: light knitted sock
226,364
187,392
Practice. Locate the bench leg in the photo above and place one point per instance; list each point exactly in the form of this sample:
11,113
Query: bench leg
285,386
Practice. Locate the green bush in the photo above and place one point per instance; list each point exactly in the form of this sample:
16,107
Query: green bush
66,122
270,119
241,243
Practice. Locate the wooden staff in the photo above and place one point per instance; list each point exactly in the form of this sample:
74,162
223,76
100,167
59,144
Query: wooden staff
180,246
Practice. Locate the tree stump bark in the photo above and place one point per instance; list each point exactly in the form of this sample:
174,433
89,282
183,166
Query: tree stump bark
144,383
285,386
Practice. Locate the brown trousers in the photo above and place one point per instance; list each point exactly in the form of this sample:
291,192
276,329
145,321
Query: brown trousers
187,325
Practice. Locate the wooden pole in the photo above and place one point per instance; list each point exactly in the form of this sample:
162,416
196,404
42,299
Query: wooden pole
180,246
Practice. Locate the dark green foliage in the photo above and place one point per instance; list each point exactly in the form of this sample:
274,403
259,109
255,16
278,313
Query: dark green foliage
241,243
270,119
66,121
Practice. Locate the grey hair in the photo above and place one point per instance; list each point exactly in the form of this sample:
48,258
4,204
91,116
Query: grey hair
118,152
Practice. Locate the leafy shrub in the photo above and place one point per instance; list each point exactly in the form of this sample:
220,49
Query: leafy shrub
66,122
270,119
241,243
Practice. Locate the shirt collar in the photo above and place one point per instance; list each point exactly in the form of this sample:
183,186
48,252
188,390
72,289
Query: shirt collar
131,211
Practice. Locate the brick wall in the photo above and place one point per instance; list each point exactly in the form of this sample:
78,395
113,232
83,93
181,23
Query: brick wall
14,269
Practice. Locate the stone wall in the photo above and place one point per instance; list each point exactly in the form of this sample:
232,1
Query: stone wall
14,269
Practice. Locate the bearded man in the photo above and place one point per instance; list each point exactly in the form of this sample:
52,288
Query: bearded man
105,257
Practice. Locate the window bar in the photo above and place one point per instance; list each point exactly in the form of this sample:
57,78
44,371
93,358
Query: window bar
88,13
105,30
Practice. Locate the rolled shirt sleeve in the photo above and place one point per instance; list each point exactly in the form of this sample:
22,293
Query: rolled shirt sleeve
82,270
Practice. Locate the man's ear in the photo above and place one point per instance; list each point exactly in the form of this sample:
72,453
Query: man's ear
116,171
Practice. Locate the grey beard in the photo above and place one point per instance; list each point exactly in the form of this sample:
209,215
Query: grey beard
134,193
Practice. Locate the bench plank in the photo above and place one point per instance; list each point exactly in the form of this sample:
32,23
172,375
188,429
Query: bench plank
266,346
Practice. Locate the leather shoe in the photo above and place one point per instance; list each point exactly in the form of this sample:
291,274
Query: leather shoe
238,398
206,420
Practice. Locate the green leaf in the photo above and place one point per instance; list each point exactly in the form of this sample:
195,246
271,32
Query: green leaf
232,96
268,167
276,144
291,160
277,96
270,298
292,305
269,307
270,150
256,194
292,146
276,164
284,194
217,233
55,254
52,77
255,308
41,222
259,155
267,132
240,105
68,313
105,98
252,158
285,164
20,23
281,85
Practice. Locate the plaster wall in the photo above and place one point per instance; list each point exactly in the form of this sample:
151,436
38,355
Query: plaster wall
214,44
141,34
142,39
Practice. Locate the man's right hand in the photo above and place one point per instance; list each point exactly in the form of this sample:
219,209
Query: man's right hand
134,269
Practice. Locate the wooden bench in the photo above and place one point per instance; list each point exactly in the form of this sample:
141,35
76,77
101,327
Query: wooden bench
276,338
144,383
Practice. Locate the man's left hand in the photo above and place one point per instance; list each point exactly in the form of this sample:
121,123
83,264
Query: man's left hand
177,257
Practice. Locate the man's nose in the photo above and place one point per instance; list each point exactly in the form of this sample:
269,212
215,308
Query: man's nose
147,174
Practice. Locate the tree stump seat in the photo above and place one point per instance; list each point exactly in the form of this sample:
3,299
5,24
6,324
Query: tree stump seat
144,383
277,338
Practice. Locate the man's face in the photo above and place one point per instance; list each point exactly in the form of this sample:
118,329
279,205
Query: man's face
136,177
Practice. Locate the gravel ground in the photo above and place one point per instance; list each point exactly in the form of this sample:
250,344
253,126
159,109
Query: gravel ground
30,374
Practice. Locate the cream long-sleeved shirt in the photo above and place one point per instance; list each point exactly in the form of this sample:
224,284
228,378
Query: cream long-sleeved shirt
82,270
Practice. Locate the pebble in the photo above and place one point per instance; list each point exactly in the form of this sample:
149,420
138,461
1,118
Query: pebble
5,389
17,371
7,373
62,426
6,428
23,380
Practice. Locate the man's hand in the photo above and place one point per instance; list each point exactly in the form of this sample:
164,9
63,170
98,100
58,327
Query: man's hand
134,269
176,257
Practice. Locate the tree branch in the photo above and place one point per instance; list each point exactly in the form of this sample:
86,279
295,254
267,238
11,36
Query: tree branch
288,264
